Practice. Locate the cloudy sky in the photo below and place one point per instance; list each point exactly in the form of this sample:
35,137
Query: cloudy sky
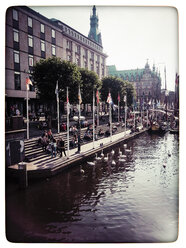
130,35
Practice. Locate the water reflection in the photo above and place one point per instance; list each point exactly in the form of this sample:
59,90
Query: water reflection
134,200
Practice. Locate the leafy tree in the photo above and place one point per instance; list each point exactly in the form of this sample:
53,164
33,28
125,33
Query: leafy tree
89,80
112,84
128,89
48,71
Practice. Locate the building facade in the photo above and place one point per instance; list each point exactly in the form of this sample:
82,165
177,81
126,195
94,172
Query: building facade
30,37
147,82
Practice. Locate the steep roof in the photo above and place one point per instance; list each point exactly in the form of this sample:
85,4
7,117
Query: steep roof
125,73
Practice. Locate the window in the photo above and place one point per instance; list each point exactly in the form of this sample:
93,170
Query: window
53,33
16,57
16,35
98,58
53,36
42,46
17,81
78,49
30,41
69,45
69,56
53,50
30,22
92,55
30,60
15,15
42,28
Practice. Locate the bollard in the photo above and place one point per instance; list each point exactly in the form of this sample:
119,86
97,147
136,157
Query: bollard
23,179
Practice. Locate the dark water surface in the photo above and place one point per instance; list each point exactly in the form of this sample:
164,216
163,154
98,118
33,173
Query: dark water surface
132,201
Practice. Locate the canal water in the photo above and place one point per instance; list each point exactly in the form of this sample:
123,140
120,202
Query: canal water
131,201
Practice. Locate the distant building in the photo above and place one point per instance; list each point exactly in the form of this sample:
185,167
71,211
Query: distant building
147,82
30,37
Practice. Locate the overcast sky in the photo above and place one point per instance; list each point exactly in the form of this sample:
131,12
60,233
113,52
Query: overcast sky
130,35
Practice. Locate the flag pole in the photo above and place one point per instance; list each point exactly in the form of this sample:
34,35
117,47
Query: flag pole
79,121
118,106
57,99
125,113
141,113
93,119
110,115
110,122
97,116
67,124
27,116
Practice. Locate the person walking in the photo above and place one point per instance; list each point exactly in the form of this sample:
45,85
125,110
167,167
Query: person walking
61,147
53,148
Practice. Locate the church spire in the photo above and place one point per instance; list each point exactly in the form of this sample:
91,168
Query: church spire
94,33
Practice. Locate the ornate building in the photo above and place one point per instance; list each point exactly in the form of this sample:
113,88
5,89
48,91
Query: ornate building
30,37
147,82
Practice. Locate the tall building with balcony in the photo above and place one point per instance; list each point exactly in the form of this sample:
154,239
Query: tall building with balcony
30,37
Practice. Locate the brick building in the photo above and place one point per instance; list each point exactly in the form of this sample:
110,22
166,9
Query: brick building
29,37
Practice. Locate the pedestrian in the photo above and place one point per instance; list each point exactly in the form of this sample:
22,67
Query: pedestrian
18,112
53,148
44,142
50,135
61,147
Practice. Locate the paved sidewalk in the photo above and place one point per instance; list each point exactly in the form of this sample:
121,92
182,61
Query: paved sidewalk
104,141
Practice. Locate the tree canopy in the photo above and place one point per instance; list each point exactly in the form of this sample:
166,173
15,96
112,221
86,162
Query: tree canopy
117,85
48,71
90,81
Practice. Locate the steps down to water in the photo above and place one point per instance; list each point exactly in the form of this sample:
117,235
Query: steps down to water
34,151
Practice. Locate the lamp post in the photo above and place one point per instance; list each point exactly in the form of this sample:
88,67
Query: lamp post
78,119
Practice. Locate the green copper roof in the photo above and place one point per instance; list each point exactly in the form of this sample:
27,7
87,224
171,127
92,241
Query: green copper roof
130,75
133,73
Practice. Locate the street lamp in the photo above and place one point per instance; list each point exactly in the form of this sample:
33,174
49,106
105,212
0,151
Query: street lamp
78,119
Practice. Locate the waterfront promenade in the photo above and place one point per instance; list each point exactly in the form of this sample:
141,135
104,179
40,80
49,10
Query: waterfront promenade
46,166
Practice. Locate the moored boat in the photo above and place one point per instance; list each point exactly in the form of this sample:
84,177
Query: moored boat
158,128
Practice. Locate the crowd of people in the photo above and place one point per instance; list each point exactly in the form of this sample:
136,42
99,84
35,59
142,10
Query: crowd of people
57,146
52,145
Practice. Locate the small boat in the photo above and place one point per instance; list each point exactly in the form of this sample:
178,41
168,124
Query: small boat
157,128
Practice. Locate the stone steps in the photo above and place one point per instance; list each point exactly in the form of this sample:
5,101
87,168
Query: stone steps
34,151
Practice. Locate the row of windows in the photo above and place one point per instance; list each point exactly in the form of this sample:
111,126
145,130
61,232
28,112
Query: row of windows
53,47
30,24
42,30
30,42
